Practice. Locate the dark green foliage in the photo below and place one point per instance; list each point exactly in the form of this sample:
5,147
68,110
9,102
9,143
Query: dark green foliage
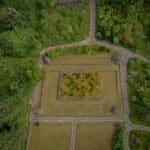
44,13
43,24
63,25
18,75
17,43
17,80
87,50
118,138
45,3
139,91
8,18
139,140
115,40
98,35
115,29
118,3
128,20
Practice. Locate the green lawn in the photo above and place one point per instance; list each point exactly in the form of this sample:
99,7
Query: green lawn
139,140
94,136
64,25
50,137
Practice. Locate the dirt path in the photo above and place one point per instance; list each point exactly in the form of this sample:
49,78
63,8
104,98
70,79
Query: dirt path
124,55
77,119
92,20
73,136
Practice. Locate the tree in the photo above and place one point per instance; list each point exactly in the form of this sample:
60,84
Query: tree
115,40
17,43
8,18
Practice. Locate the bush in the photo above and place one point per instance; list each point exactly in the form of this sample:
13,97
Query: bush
44,13
139,91
45,3
17,81
8,18
131,62
107,33
43,24
17,43
115,40
89,50
139,140
134,99
99,35
118,143
116,29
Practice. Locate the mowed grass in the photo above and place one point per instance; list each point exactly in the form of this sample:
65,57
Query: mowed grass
50,137
139,140
94,136
109,89
65,25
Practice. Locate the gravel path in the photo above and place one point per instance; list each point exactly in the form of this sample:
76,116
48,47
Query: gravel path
78,119
73,136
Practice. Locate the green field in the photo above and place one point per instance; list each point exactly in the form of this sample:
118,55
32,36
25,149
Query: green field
94,136
50,136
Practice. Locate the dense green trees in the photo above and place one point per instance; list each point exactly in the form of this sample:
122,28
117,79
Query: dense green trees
127,21
139,91
8,18
18,43
18,72
18,78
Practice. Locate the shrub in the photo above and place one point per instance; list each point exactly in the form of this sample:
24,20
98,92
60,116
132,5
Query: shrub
139,140
44,13
116,29
139,91
45,3
110,51
131,62
93,49
61,26
43,24
17,43
8,18
115,40
107,33
134,99
118,143
146,65
99,35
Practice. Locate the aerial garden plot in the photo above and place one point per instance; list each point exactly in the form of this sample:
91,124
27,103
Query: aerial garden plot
79,82
74,74
81,85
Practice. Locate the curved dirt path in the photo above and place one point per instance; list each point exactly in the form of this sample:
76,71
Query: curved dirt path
124,55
